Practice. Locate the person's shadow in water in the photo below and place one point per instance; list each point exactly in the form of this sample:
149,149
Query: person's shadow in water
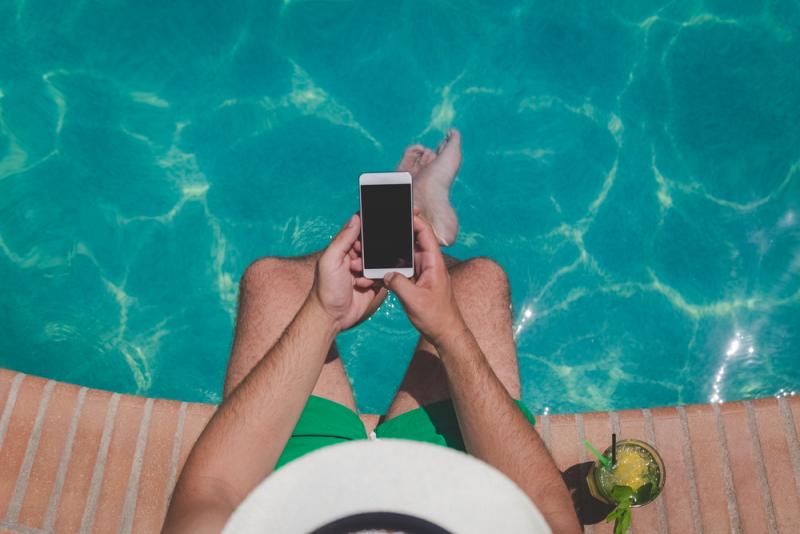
589,509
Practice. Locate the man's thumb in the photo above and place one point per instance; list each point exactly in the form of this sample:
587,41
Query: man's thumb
347,236
399,284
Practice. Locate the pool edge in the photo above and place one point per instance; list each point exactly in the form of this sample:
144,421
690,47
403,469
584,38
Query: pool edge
77,458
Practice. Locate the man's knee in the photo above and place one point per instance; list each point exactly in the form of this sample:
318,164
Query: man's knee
269,271
485,274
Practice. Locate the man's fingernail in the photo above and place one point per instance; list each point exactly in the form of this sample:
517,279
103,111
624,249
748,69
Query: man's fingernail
352,221
388,277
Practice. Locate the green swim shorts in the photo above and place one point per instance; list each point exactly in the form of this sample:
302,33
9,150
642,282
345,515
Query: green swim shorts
324,422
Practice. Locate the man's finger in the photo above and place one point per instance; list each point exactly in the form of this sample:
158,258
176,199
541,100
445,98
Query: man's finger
418,260
426,239
400,285
355,265
428,254
364,283
344,240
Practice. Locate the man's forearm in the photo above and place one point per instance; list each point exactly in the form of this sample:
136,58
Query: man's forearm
244,439
496,431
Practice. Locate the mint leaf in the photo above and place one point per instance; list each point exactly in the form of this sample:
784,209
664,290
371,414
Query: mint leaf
624,522
621,494
644,493
621,515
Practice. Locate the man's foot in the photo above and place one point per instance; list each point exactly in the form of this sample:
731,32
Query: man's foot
433,175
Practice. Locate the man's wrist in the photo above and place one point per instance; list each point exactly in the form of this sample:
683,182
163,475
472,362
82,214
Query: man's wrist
324,319
452,333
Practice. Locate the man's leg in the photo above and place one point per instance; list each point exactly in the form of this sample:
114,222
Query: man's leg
482,292
270,295
271,292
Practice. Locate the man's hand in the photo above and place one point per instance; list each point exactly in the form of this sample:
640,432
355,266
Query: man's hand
339,287
429,301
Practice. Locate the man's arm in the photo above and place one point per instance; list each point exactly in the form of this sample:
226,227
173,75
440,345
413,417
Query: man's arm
493,427
242,442
497,432
244,439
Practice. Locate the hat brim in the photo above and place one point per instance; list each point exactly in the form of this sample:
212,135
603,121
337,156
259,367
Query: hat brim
445,487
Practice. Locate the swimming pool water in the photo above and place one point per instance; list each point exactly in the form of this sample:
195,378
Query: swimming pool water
635,167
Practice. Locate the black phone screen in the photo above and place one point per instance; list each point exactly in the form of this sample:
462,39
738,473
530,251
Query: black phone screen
388,239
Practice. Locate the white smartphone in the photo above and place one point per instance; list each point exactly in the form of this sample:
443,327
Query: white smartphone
387,224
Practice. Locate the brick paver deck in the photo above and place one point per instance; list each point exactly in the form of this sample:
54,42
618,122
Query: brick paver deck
74,459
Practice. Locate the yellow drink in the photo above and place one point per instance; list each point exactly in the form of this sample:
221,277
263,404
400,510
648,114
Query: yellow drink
638,467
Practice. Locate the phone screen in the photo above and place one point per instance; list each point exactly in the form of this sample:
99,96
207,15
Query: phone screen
388,239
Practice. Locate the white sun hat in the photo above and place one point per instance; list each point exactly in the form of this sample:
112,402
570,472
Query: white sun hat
387,485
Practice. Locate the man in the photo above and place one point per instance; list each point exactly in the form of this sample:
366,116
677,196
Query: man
285,372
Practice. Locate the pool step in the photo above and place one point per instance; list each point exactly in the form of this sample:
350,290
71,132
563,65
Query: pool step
74,459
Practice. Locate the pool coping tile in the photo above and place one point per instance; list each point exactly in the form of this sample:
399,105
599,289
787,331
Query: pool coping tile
98,460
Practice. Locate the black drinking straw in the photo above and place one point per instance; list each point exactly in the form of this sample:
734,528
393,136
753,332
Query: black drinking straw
613,449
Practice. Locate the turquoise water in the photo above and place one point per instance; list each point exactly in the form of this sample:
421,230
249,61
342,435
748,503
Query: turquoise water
635,167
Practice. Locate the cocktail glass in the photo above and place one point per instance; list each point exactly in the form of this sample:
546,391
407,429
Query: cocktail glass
638,467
